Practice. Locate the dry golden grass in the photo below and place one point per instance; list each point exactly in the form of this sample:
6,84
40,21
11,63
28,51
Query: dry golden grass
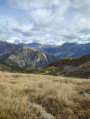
60,96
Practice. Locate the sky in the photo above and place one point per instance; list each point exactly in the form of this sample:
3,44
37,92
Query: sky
52,22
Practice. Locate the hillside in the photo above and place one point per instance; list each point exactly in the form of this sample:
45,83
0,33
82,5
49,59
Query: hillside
75,67
66,50
30,96
9,66
6,49
24,56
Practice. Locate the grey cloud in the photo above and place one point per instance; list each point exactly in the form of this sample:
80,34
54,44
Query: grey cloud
49,21
24,33
41,12
85,31
31,4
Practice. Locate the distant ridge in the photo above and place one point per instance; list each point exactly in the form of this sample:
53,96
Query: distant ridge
66,50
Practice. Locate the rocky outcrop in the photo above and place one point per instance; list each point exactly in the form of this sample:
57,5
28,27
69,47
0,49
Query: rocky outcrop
42,110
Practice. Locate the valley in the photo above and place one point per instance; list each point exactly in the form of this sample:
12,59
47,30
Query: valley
74,60
37,85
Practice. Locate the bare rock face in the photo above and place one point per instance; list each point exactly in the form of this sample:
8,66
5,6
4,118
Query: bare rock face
86,94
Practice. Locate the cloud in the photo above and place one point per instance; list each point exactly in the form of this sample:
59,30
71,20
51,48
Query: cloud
26,34
44,13
41,16
48,21
32,4
81,4
41,12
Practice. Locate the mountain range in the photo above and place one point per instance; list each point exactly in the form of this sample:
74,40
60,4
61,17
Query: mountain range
24,56
66,50
46,59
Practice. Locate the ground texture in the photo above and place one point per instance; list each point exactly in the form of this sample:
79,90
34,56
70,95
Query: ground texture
30,96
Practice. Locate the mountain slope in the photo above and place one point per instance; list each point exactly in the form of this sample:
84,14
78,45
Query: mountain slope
30,58
9,66
6,49
72,50
25,57
75,67
66,50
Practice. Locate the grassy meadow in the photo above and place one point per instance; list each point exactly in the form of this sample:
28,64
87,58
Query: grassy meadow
61,97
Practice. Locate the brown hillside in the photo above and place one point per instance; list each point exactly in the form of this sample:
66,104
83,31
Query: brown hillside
71,61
